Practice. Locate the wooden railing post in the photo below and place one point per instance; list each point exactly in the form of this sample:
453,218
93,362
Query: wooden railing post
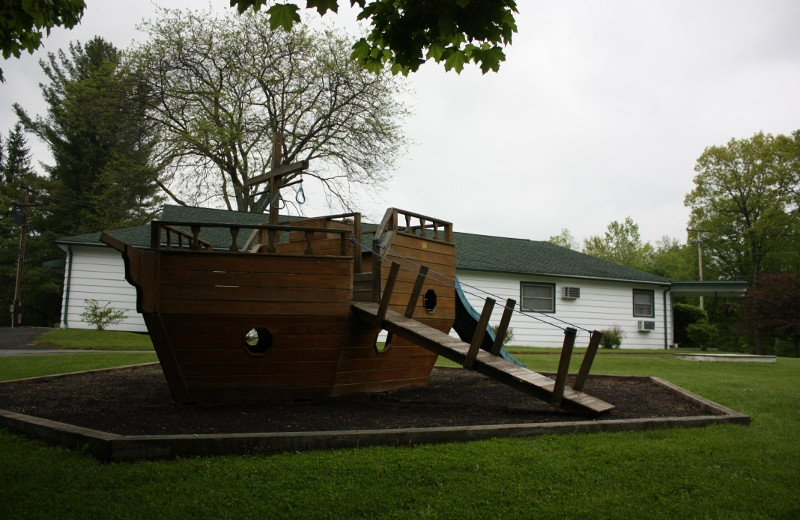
412,301
195,242
563,366
234,239
588,359
480,331
500,336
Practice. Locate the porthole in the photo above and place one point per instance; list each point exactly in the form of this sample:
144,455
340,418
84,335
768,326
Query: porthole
257,341
383,346
429,300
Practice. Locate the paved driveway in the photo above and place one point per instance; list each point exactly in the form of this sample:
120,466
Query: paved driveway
18,341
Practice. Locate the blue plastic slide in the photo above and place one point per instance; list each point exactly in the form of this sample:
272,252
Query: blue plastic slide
467,320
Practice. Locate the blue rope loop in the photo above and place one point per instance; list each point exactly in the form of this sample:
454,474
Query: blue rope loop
450,281
300,196
278,202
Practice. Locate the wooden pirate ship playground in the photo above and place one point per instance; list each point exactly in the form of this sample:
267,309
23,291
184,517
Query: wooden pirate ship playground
294,310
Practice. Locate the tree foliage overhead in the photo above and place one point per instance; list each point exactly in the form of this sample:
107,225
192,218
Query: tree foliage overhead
220,87
95,128
745,202
405,34
22,23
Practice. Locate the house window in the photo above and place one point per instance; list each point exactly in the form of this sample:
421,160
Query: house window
538,297
643,303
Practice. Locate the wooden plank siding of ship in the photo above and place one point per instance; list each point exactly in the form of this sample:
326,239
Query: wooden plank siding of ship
402,364
295,291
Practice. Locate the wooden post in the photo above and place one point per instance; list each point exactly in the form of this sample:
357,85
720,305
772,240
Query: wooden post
588,359
563,366
376,271
412,301
357,245
195,240
503,327
155,235
480,331
234,238
275,182
387,294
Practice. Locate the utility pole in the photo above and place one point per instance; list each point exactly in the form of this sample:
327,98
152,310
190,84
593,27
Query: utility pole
699,256
16,314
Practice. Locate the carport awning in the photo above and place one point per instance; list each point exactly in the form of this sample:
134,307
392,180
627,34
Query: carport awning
710,288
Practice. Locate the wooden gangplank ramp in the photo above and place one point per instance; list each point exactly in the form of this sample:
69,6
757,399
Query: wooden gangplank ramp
495,367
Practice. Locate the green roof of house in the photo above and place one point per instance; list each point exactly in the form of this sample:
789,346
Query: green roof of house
473,252
138,236
536,257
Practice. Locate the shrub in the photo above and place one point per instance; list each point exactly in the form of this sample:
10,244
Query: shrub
702,334
509,334
101,317
612,338
683,316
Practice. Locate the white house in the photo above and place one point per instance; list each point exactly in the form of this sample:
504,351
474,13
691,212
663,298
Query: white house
554,287
95,271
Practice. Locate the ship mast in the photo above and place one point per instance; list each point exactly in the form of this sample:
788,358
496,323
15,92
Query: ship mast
280,176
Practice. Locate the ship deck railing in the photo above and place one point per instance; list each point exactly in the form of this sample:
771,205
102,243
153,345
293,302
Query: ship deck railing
409,223
323,236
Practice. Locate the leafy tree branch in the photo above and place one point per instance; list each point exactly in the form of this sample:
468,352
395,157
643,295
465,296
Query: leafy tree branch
403,35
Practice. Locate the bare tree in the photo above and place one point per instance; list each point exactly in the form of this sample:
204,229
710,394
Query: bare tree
223,85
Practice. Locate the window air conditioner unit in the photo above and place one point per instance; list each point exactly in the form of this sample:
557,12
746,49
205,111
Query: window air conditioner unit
570,293
647,326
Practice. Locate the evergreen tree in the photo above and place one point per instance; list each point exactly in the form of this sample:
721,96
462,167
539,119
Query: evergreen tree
102,177
20,190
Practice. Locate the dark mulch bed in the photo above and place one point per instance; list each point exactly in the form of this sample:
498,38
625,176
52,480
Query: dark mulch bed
136,401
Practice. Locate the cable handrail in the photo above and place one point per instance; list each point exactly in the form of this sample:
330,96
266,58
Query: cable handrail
450,281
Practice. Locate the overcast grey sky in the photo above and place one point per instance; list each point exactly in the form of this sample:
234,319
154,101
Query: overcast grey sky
599,112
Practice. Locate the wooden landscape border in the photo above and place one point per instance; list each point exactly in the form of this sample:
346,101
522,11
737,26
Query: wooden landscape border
109,447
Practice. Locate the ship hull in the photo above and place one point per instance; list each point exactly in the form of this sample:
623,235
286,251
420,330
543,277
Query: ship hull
235,325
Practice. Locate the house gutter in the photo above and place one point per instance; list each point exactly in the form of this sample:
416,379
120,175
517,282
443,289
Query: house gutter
661,283
65,311
666,319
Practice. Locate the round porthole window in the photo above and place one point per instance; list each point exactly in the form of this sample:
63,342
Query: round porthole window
429,300
383,346
257,341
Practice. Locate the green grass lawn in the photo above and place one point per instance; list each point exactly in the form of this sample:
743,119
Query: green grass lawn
94,340
719,472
